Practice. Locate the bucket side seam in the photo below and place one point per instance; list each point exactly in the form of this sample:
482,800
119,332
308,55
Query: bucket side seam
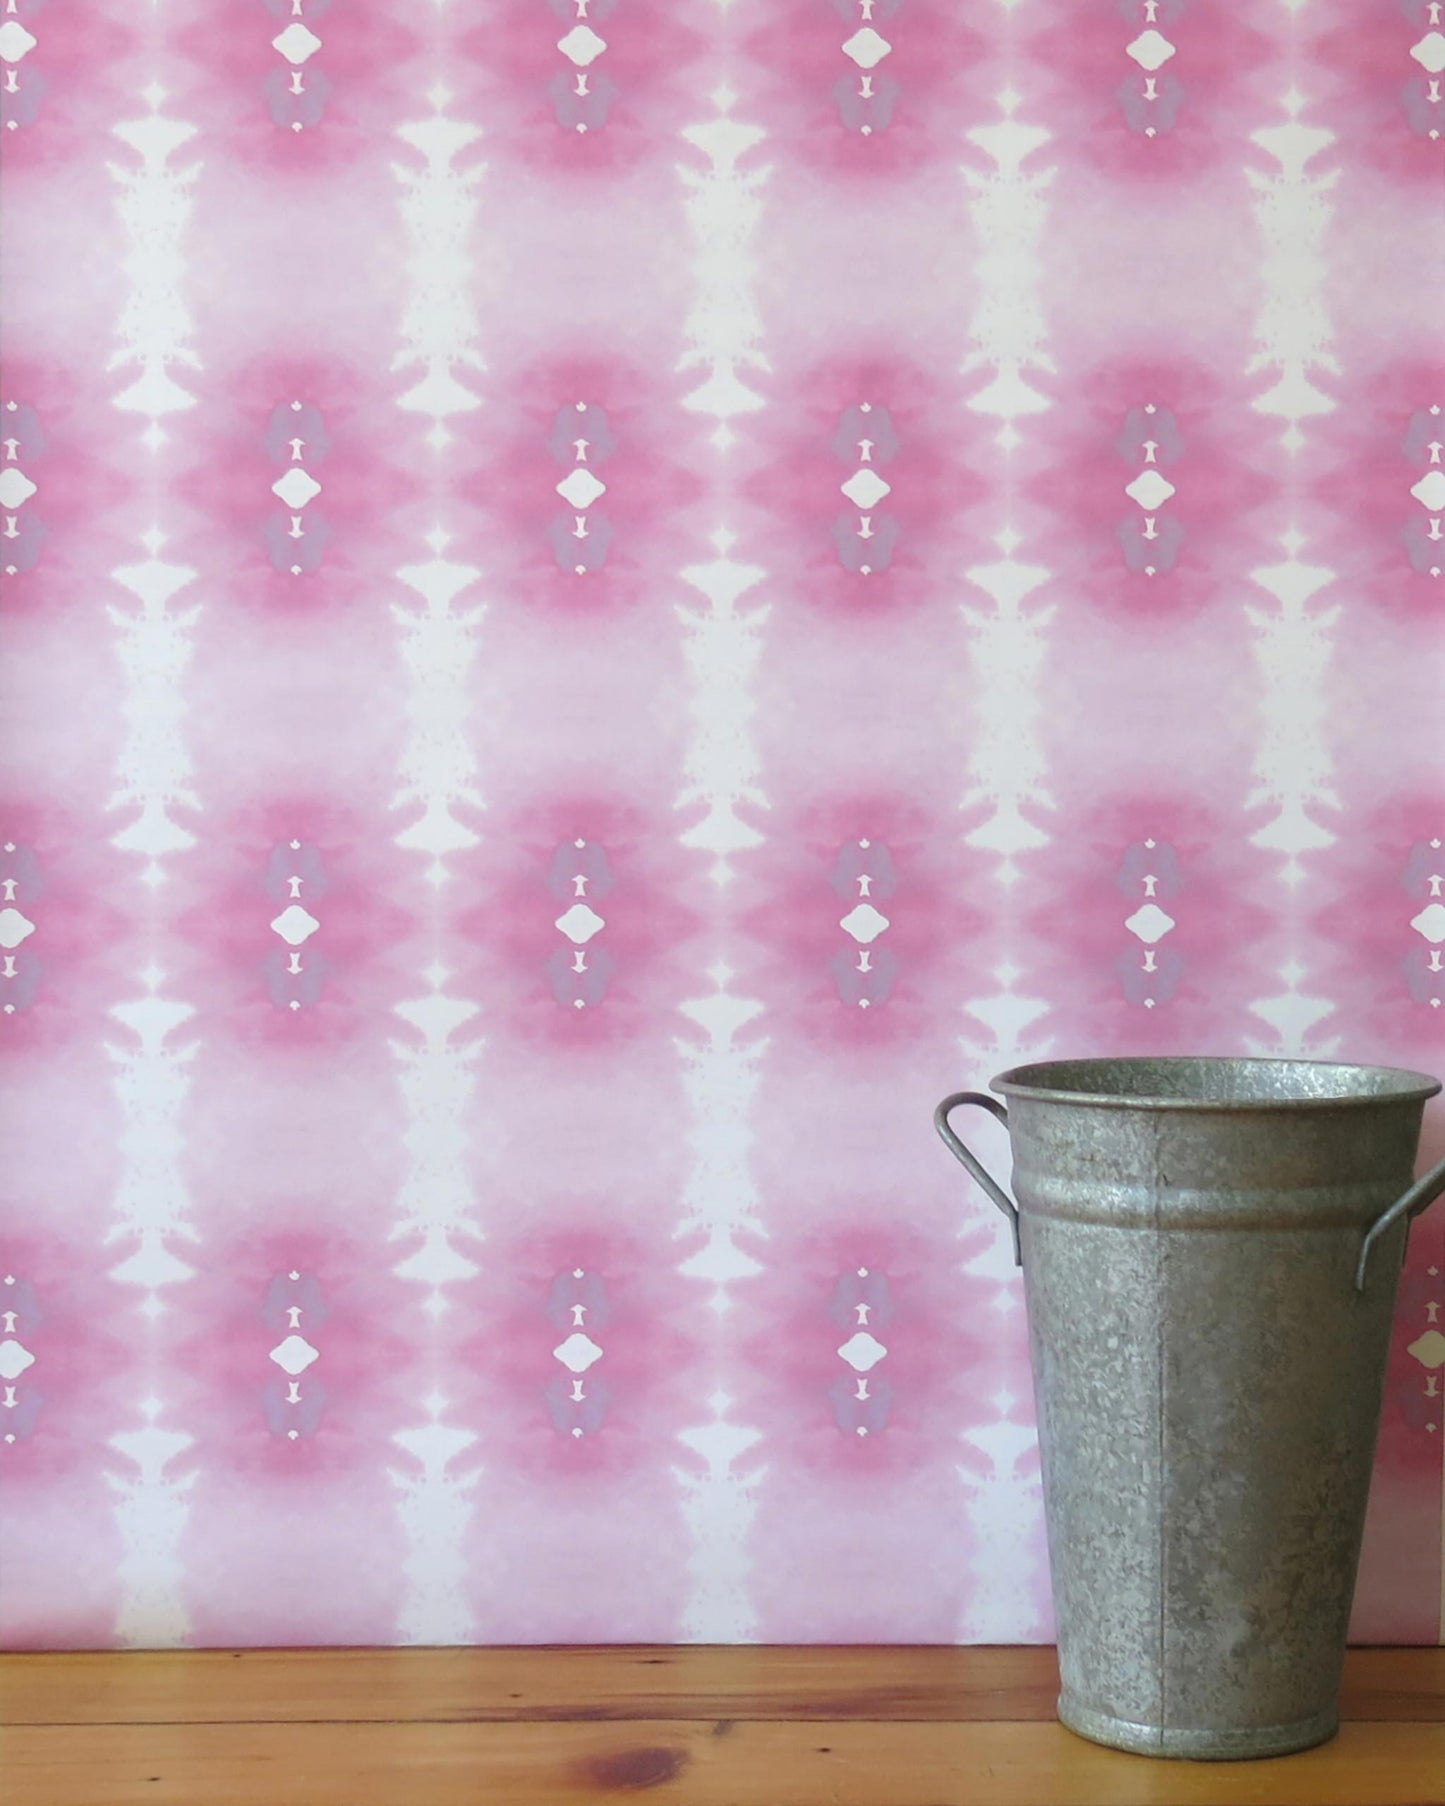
1161,1312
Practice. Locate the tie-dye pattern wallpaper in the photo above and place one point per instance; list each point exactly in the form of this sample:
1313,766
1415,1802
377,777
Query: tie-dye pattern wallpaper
604,599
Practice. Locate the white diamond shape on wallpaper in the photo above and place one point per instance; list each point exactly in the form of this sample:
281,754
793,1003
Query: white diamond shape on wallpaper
1150,923
296,488
865,488
867,48
296,43
581,488
1151,50
15,487
15,41
1429,53
580,923
15,1357
1430,491
1431,922
865,923
295,925
1429,1349
582,45
14,928
862,1351
578,1352
295,1354
1149,489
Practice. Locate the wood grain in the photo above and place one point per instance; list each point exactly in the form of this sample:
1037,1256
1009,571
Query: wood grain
498,1685
694,1726
495,1685
678,1762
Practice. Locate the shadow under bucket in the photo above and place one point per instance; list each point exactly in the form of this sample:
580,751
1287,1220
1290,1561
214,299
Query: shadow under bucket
1211,1250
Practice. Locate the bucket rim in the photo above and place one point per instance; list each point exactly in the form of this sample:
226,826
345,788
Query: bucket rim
1031,1081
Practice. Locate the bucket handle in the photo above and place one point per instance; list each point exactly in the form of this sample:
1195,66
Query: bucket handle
985,1179
1420,1195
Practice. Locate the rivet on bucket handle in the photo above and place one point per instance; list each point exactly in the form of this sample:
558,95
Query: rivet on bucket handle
1421,1194
989,1184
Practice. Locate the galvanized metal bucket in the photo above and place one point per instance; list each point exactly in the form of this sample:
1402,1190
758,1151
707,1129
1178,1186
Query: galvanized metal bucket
1211,1250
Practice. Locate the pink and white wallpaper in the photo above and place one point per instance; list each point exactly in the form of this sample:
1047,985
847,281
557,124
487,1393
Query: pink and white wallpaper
603,599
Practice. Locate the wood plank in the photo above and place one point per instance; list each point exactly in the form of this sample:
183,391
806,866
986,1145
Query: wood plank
681,1763
494,1685
1382,1684
491,1685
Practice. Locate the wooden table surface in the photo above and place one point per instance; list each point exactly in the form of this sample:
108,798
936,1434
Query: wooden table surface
679,1727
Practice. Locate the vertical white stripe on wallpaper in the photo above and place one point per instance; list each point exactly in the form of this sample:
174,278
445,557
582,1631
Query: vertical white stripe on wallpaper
1006,646
153,649
722,647
1008,206
438,770
1293,766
